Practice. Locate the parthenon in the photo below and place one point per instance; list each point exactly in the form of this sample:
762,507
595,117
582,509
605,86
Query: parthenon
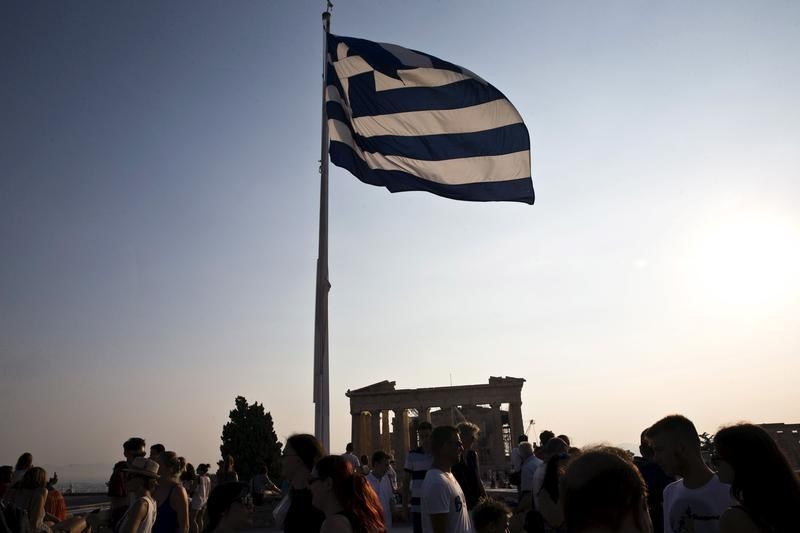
481,404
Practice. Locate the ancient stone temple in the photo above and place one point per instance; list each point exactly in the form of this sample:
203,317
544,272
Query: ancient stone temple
373,406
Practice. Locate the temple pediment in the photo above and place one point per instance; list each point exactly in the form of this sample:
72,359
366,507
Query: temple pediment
381,386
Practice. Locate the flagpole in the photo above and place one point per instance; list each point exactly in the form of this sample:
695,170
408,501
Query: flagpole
321,377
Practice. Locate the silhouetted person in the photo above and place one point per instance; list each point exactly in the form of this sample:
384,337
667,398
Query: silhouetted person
117,492
602,491
491,516
230,508
766,489
140,476
6,473
300,455
378,478
544,437
444,509
199,498
24,462
227,471
695,502
155,451
467,470
656,479
516,460
351,457
172,515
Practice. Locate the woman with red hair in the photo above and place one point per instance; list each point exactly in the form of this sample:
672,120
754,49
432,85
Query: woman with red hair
346,497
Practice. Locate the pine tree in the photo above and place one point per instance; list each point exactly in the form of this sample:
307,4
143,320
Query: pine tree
251,439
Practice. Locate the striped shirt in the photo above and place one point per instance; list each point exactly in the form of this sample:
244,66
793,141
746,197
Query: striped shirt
417,465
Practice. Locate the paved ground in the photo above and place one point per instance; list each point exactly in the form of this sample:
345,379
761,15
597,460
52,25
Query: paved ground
85,502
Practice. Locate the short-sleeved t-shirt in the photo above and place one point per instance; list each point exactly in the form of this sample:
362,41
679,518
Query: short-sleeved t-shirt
442,494
383,488
417,464
528,470
351,458
696,510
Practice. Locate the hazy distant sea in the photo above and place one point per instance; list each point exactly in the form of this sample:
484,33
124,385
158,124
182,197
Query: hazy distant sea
82,477
81,486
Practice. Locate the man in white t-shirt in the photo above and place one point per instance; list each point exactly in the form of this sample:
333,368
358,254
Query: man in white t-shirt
444,508
382,485
694,503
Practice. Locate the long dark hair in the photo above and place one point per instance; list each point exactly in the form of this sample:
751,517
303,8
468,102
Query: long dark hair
763,481
554,469
188,473
35,478
307,447
353,491
220,500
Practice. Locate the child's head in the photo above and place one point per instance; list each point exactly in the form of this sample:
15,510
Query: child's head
491,516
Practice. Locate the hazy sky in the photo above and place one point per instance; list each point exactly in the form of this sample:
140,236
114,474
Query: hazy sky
159,203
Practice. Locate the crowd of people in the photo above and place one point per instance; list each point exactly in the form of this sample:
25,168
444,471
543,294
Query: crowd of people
747,486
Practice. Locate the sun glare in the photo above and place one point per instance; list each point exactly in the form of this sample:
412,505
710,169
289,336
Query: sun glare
749,262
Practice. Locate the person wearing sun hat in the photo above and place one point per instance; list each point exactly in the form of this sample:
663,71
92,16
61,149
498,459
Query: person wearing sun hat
140,479
230,508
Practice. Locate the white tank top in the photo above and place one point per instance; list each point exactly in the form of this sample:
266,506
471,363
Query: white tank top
146,525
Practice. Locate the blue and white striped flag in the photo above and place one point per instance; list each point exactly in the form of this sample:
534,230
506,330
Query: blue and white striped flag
408,121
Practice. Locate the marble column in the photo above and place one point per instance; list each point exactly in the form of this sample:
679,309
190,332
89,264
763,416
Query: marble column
413,435
515,417
375,431
355,431
365,440
386,432
401,445
424,414
498,451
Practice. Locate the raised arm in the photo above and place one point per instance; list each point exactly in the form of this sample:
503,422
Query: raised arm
36,512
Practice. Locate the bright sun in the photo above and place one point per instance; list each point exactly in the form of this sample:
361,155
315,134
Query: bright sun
749,260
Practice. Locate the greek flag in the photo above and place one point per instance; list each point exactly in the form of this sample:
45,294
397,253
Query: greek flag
408,121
